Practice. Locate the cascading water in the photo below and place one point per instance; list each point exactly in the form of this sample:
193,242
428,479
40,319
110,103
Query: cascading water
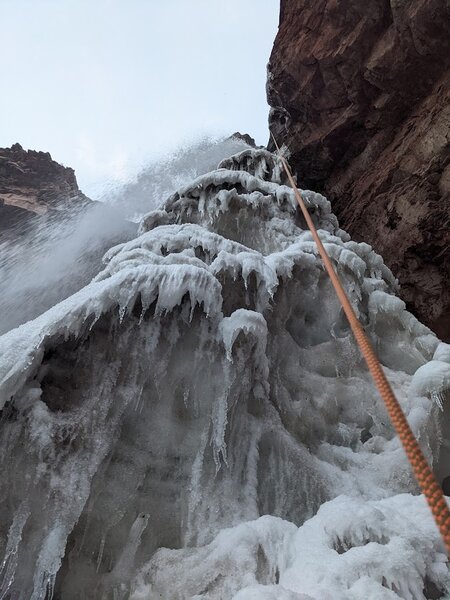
197,422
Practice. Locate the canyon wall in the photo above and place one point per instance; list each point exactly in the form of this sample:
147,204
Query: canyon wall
360,94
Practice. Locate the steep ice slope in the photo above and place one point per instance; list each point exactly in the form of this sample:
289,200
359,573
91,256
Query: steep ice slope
197,422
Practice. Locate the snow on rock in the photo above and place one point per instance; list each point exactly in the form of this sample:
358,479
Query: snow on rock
197,422
259,162
442,353
356,549
351,549
250,553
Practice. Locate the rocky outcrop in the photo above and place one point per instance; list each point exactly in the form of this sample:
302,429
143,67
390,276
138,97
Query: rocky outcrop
32,184
243,137
360,93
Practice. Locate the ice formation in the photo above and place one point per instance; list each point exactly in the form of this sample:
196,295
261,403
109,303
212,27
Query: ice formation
197,422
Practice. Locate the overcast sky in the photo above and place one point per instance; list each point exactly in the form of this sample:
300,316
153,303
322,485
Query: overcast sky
104,85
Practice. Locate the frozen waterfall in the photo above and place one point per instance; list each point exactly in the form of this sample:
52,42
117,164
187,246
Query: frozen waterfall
197,422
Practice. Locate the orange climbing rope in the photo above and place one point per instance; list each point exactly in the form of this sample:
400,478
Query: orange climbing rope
422,471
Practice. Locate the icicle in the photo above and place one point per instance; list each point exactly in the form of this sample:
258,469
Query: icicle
100,551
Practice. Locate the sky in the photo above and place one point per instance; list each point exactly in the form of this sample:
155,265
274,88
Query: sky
106,85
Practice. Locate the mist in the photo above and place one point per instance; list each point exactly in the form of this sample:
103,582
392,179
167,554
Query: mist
47,261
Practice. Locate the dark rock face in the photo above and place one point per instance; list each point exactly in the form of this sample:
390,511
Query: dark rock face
360,93
32,184
244,137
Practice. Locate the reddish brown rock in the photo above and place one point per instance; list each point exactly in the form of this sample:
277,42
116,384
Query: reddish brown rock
360,93
32,184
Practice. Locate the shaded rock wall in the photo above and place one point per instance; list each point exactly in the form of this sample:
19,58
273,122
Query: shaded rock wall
360,93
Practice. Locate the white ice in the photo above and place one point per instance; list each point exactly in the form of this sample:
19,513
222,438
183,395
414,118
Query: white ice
197,422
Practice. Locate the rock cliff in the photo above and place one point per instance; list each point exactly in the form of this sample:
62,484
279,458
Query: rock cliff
31,184
360,93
